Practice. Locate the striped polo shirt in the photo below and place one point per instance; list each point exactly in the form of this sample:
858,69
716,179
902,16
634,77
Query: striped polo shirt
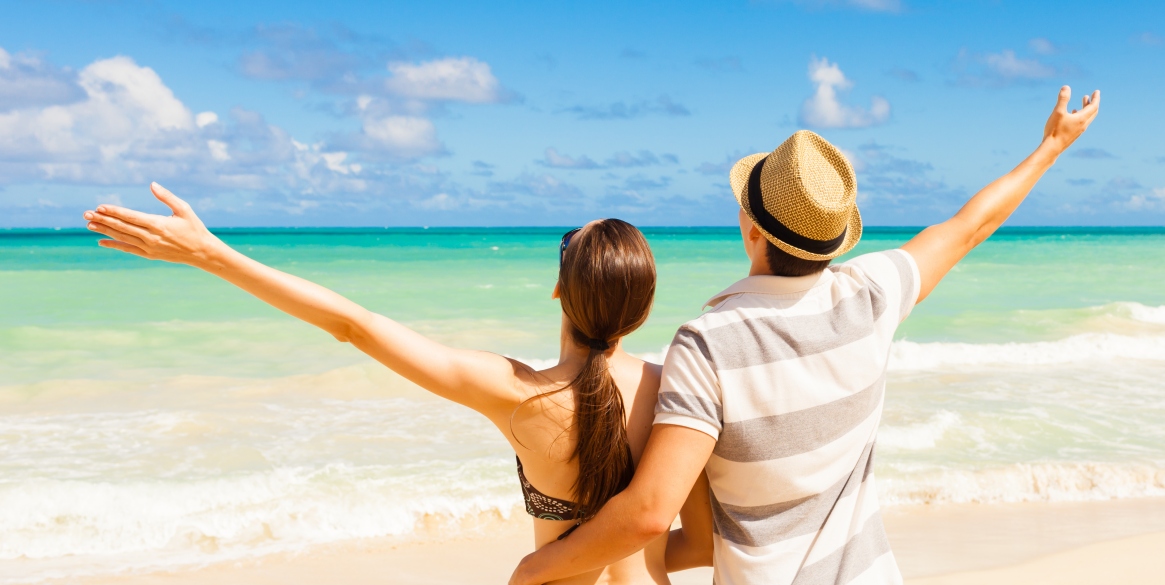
788,375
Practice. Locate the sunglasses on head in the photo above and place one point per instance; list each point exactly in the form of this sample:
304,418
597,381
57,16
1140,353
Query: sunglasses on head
566,242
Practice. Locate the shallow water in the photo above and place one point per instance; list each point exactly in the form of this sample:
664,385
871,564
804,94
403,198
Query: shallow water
151,415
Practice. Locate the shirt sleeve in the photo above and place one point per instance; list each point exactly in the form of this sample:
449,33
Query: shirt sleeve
689,393
896,273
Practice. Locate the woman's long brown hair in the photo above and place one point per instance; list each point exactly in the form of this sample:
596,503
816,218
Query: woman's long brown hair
606,284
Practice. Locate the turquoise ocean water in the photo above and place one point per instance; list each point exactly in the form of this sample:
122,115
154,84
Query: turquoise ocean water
151,415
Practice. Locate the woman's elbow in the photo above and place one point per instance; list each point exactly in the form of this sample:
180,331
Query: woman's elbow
351,330
343,332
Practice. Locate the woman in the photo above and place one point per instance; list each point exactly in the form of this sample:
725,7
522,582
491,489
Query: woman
577,428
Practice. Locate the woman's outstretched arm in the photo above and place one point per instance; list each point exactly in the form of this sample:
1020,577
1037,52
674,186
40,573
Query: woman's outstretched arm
483,381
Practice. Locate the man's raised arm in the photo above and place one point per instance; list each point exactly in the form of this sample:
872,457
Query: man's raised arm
938,248
671,463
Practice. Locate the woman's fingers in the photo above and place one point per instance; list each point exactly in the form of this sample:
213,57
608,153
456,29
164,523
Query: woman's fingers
147,221
115,234
124,247
178,206
117,224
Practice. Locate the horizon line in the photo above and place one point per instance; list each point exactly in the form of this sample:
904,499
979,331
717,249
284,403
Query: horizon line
539,227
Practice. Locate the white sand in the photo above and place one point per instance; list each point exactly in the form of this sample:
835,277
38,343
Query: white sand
1102,542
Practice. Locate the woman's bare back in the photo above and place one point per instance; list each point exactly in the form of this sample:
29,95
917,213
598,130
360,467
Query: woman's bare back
543,435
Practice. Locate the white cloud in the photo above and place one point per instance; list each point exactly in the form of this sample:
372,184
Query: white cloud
129,127
643,159
335,162
218,150
544,187
440,201
463,79
127,110
868,5
1008,66
119,85
824,110
1150,201
1148,39
1042,46
562,161
26,80
204,119
877,5
406,136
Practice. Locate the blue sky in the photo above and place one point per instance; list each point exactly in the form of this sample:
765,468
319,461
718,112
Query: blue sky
505,113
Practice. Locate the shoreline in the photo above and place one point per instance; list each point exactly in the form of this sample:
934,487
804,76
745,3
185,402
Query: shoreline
953,544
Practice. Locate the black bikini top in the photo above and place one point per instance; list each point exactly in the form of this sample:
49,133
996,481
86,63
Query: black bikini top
540,505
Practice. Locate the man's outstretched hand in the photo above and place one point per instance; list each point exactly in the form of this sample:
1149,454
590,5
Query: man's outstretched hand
180,238
1064,127
939,247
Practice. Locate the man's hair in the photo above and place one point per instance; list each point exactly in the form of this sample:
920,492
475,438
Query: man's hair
782,263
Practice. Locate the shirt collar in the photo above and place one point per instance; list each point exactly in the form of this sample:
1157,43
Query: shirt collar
765,284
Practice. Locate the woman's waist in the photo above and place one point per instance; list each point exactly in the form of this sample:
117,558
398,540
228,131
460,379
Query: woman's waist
643,567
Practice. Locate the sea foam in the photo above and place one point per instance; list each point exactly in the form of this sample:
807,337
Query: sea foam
1087,347
1023,482
111,526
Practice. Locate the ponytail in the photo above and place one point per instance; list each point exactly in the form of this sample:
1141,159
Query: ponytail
604,459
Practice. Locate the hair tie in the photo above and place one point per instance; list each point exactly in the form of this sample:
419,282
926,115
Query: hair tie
598,344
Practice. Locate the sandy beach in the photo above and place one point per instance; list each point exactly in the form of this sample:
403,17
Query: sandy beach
1116,541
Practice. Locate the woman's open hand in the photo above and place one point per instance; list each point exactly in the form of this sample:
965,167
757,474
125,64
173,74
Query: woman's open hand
180,238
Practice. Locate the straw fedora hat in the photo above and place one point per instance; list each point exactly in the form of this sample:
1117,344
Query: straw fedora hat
801,196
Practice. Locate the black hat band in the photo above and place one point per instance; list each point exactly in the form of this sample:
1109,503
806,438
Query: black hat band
773,226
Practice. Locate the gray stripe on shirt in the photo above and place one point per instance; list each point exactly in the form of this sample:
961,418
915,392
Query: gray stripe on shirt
688,405
801,431
767,524
764,340
693,341
845,564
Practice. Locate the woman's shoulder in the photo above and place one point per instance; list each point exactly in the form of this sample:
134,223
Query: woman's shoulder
643,375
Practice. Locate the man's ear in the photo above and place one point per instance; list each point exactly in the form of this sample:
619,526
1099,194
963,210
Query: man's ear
754,234
557,290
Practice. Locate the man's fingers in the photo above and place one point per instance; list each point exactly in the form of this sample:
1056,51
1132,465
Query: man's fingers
115,234
124,247
143,220
178,206
1063,99
1093,101
1089,111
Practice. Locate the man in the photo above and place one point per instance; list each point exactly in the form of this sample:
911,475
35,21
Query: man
778,390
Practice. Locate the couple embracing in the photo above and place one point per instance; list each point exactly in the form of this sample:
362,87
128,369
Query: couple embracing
759,429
